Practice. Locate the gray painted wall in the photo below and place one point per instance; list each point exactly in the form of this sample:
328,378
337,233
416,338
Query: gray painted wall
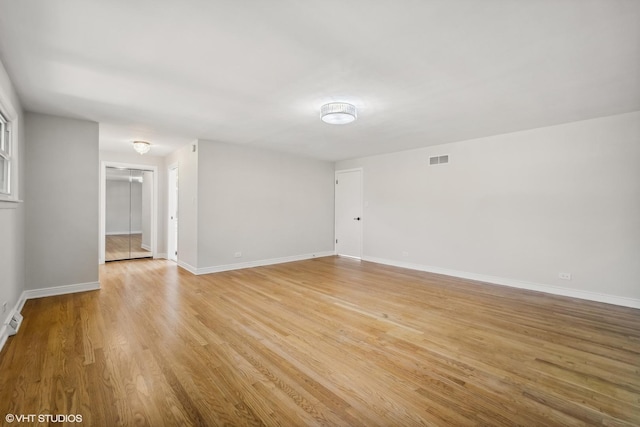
62,205
12,215
261,203
521,206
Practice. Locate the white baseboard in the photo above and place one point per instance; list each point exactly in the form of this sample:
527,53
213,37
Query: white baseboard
160,256
191,269
258,263
145,247
549,289
4,335
61,290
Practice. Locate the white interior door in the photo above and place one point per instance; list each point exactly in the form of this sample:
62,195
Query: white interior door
172,235
349,220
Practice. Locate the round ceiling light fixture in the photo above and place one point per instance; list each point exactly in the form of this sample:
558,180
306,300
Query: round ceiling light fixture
141,147
338,113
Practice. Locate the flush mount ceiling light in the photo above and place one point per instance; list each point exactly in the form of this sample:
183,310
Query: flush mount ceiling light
338,113
141,146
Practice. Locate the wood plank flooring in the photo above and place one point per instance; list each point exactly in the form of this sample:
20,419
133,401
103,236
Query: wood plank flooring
124,246
328,341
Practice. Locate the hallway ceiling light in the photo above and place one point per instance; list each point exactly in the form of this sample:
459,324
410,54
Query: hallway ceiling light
141,146
338,113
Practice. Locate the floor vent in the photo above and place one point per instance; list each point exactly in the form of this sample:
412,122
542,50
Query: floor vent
439,160
14,324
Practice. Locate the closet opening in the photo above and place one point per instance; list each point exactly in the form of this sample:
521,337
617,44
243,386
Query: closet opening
128,213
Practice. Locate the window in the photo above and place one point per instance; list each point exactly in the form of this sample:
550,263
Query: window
5,156
9,152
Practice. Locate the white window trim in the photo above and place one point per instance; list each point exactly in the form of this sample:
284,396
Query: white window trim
11,200
6,145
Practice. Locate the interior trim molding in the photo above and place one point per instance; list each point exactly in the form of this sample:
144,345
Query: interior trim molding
60,290
549,289
191,269
3,336
260,263
9,204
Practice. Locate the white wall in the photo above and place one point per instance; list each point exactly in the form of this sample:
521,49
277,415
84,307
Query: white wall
62,203
264,204
12,217
516,209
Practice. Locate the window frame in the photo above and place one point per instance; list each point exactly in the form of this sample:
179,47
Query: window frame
5,153
10,151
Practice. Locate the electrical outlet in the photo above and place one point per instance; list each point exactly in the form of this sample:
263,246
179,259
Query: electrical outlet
564,276
237,255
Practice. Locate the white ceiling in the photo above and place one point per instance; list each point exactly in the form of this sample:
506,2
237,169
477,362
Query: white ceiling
256,72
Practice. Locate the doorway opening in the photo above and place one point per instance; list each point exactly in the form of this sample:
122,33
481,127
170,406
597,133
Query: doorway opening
348,206
172,214
128,212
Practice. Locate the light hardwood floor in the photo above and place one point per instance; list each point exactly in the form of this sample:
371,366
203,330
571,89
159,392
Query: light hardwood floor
124,246
329,341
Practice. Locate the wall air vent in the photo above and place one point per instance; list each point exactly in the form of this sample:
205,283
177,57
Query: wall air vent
439,160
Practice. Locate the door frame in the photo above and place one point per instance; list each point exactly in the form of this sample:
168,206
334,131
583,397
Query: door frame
103,204
335,212
170,168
